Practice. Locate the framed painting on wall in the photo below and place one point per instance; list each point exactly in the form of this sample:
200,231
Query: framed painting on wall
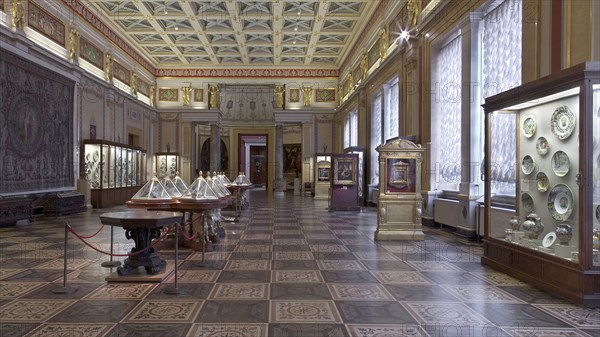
198,95
323,173
294,95
325,95
344,171
168,95
292,160
46,23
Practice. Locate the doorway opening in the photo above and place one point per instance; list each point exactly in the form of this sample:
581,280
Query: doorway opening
254,159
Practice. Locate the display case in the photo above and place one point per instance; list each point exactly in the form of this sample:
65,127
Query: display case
553,240
322,176
166,163
360,174
344,183
115,171
400,202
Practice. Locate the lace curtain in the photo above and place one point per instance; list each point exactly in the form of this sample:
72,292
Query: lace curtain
391,111
502,54
375,137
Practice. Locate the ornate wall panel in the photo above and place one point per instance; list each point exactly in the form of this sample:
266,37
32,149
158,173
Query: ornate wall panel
46,24
36,127
121,73
91,53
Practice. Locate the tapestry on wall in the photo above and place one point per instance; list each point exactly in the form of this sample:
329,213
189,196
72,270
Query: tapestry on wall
36,128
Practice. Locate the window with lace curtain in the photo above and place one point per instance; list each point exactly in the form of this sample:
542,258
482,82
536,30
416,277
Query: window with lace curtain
351,129
376,137
446,115
392,109
501,70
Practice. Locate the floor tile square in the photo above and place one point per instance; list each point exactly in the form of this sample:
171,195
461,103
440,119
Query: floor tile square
194,276
379,256
344,276
165,311
16,329
374,312
229,329
232,311
307,330
62,329
432,266
481,293
26,311
298,291
149,330
304,312
248,265
420,292
17,289
296,276
244,276
238,291
294,265
121,291
574,315
532,295
401,277
293,255
445,313
361,291
340,265
377,330
96,311
386,265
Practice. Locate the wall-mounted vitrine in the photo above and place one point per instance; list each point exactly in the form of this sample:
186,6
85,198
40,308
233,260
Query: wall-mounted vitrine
114,171
166,163
322,176
552,241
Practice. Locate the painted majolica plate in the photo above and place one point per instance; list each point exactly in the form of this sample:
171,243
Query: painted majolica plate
527,165
541,145
96,156
560,202
560,163
562,122
529,127
542,182
527,202
549,239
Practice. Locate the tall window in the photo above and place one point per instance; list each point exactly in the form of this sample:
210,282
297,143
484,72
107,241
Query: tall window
502,55
376,137
446,106
392,109
351,129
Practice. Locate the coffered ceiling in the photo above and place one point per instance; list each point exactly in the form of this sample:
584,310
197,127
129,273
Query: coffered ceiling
228,33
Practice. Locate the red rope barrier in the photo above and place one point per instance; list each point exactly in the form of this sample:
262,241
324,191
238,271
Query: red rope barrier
91,236
162,237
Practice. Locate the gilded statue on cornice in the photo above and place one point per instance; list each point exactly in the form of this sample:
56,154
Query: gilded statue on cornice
186,93
363,67
151,93
17,14
108,67
214,96
74,45
383,42
133,86
307,93
279,91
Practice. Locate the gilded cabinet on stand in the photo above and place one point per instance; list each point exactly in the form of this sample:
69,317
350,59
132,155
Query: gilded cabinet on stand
400,202
115,171
553,240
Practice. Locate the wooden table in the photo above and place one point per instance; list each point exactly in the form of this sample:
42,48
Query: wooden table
142,227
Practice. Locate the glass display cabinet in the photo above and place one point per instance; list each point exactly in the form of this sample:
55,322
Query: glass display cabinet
553,240
344,182
322,176
362,179
400,203
166,163
115,171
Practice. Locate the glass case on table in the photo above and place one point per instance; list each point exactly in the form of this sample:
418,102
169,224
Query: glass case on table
115,167
553,239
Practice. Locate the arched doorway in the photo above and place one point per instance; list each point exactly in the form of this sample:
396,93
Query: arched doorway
205,156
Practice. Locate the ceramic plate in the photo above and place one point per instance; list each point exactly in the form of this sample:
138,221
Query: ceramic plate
527,202
542,181
560,202
527,165
562,122
541,145
560,163
96,155
529,127
549,239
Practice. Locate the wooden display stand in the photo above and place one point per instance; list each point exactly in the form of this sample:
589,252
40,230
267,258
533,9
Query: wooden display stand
15,209
59,204
400,202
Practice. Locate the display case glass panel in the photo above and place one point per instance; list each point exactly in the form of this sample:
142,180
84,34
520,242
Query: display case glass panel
112,165
400,175
167,163
596,177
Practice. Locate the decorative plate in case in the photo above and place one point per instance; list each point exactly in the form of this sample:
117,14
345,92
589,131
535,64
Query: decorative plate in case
541,145
562,122
560,163
529,127
527,202
560,202
549,239
542,181
527,165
